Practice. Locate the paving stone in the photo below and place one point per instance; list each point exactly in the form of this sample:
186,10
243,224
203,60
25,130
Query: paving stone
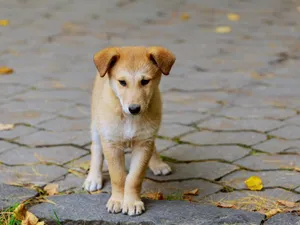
77,209
271,194
277,145
268,162
64,124
193,153
293,121
31,117
283,219
187,118
221,124
287,132
42,138
58,155
217,138
206,170
162,144
177,188
10,195
256,113
18,131
200,107
76,112
38,174
284,179
4,146
70,182
173,130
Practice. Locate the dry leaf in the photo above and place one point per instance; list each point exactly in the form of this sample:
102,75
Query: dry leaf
286,203
225,205
20,212
223,29
185,16
192,192
6,126
6,70
272,212
4,23
51,189
96,192
254,183
154,195
41,223
233,16
30,219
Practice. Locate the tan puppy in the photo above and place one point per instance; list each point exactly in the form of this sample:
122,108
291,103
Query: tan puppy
126,112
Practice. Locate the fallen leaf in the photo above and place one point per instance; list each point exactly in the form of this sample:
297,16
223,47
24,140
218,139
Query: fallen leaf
51,189
20,212
6,126
225,205
254,183
286,203
185,16
223,29
4,23
233,17
96,192
298,8
6,70
272,212
297,169
30,219
192,192
154,195
41,223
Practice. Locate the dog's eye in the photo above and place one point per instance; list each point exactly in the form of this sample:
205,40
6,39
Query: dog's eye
122,82
144,82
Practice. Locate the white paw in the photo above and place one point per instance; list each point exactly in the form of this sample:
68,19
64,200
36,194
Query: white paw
133,208
161,169
92,183
114,205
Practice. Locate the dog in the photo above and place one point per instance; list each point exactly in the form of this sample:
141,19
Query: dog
126,112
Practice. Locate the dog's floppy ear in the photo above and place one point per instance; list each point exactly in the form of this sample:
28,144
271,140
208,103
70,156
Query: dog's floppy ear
105,59
162,58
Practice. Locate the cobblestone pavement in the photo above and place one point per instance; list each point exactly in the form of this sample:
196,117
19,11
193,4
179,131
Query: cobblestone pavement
231,102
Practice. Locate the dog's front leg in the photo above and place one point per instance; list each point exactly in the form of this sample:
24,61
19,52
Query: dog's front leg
114,154
141,155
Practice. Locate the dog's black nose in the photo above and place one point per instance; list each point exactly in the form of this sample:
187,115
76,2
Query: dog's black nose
134,109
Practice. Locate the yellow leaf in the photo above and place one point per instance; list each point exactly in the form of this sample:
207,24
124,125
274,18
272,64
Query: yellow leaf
225,205
286,203
4,23
233,16
254,183
192,192
6,70
51,189
6,126
223,29
96,192
185,16
41,223
20,212
272,212
76,173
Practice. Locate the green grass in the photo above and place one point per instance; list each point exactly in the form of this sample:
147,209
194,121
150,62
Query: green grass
7,217
56,218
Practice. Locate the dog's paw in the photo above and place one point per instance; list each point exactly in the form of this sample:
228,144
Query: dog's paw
161,169
92,183
133,208
114,205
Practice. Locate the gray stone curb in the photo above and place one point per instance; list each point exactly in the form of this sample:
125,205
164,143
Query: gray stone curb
88,209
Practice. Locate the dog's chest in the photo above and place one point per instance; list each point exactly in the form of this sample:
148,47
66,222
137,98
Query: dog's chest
127,129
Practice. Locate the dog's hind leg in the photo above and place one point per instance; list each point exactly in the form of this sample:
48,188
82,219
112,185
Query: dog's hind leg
93,181
157,166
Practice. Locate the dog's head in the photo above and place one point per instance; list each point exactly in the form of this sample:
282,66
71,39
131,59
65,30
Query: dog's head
134,73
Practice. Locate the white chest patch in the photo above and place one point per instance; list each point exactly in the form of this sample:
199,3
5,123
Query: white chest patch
130,128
